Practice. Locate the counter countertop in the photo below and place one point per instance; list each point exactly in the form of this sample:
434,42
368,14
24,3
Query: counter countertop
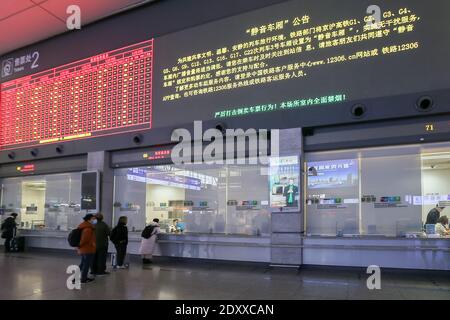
136,234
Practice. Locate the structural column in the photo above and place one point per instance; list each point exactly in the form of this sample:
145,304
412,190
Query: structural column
100,161
287,225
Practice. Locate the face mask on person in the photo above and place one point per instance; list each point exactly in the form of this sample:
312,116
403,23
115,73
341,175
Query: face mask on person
94,222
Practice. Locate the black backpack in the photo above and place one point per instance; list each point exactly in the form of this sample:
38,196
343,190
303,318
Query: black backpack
147,232
3,229
74,237
113,235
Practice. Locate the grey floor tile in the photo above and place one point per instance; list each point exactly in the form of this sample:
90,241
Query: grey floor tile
37,276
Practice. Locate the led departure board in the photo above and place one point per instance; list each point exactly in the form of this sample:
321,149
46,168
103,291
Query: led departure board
105,94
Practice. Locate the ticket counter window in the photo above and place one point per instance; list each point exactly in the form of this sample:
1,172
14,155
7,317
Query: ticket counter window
194,198
47,202
332,195
384,191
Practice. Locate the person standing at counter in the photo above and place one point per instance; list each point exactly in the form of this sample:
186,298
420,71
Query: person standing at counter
87,246
9,228
102,233
148,242
119,236
174,226
434,214
441,226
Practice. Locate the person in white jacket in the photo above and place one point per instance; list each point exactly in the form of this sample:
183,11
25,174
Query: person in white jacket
441,226
148,244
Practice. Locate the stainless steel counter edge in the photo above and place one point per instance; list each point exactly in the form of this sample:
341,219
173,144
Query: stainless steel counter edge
309,242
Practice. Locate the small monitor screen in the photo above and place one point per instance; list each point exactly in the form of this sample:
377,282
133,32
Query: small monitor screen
89,189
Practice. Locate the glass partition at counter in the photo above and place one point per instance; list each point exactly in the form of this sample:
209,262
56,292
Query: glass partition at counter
44,202
385,191
194,198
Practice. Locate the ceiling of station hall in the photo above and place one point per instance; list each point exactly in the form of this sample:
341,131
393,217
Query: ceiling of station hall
24,22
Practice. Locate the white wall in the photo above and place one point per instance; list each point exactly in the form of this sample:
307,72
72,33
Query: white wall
12,194
36,197
161,194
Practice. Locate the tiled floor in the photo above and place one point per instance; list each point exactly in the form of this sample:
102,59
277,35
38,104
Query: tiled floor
39,275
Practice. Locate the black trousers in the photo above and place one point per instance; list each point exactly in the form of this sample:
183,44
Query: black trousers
121,249
100,257
8,244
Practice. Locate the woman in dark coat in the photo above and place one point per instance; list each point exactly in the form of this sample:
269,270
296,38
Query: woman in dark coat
9,228
102,233
119,236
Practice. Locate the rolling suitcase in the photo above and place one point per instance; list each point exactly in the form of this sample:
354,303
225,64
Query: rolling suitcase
17,244
126,261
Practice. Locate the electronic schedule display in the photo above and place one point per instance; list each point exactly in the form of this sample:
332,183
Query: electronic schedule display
301,55
297,55
105,94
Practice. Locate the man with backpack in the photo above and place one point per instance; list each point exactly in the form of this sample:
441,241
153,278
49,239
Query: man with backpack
9,228
87,246
148,242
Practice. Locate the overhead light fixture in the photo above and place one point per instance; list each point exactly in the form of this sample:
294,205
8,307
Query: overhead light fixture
436,156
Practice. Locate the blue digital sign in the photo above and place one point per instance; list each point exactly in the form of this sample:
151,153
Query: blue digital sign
332,174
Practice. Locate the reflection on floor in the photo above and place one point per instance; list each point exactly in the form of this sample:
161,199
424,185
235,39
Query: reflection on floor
38,275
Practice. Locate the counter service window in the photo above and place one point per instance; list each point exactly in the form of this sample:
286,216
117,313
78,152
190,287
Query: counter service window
46,202
386,191
194,198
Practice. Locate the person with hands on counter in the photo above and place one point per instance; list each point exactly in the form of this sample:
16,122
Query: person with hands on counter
177,226
434,214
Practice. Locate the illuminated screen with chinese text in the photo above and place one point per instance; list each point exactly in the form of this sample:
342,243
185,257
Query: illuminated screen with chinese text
297,55
106,94
300,55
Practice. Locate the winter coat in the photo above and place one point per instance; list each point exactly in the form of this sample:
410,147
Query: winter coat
119,235
440,229
8,228
148,245
102,233
433,216
87,243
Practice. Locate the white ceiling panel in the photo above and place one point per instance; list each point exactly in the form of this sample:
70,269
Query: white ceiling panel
90,10
24,22
22,29
11,7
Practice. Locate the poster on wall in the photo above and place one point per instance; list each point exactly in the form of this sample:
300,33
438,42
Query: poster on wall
90,191
333,174
284,183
